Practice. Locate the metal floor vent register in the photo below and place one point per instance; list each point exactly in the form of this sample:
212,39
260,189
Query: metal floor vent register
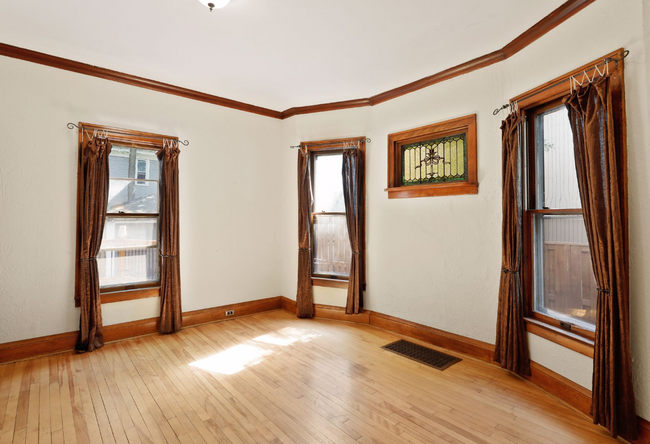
422,354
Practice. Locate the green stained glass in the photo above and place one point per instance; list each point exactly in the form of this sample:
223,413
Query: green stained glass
435,161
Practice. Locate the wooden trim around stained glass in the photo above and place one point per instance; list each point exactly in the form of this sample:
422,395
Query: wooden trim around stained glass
463,125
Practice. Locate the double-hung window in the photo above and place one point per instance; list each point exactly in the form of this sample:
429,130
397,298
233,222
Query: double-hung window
331,252
129,257
558,282
563,282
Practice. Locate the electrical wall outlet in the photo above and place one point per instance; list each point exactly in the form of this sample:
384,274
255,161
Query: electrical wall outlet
230,312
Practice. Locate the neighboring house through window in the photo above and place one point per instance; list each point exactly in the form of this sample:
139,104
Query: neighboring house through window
129,256
564,286
331,252
558,282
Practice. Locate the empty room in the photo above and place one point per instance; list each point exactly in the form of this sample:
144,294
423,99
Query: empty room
333,222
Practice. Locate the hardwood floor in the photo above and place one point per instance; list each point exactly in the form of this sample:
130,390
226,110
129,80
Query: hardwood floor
274,378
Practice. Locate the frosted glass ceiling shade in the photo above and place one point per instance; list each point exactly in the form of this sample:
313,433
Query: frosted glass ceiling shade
215,4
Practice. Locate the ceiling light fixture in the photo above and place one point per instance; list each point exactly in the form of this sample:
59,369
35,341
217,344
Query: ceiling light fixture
215,4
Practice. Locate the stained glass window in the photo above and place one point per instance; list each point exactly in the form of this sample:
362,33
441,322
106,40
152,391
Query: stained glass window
435,161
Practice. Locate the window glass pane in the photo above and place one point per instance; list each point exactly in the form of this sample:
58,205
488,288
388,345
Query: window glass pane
332,253
557,182
328,183
565,286
129,251
131,196
132,163
141,172
435,161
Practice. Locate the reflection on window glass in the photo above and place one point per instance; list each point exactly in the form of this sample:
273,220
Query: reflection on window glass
565,286
141,172
328,183
131,163
557,183
125,197
129,252
331,252
134,176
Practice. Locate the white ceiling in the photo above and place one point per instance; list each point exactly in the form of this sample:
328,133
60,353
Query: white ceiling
272,53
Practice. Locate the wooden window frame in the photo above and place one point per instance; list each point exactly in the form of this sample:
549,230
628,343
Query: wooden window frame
333,146
130,139
547,96
466,125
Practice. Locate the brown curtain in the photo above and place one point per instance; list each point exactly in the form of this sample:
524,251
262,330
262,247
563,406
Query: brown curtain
594,111
304,296
353,195
171,315
93,196
511,346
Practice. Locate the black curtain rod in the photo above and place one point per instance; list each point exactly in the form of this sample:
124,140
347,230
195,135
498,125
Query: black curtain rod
604,62
366,139
182,142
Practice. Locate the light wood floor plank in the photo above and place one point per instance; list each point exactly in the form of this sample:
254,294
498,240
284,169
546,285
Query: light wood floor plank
273,378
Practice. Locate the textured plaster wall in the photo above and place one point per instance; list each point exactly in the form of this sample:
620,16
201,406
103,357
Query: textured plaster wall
229,214
436,260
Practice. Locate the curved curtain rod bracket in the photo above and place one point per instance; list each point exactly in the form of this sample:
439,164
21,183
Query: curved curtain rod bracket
366,139
572,79
71,125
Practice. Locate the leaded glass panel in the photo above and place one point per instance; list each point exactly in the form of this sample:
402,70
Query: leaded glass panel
435,161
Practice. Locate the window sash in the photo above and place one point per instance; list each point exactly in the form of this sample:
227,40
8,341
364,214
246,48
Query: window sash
533,189
114,258
331,250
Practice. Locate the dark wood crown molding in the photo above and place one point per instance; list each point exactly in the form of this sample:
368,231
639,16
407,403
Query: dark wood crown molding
555,18
325,107
141,82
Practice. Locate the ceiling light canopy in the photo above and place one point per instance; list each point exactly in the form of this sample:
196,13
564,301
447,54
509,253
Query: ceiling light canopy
215,4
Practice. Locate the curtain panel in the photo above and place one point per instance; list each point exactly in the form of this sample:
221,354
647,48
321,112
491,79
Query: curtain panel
511,347
171,314
93,195
354,206
594,112
304,295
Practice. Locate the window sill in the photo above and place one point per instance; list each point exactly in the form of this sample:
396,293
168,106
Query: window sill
439,189
126,295
332,283
562,337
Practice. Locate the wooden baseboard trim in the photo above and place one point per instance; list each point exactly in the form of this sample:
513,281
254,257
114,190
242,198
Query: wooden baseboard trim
476,349
450,341
562,388
47,345
338,314
551,382
644,431
328,312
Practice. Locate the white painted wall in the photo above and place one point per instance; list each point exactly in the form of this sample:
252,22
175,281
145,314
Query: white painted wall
228,196
239,227
457,239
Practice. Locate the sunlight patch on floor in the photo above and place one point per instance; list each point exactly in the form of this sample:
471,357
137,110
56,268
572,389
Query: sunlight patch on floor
239,357
286,336
234,359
